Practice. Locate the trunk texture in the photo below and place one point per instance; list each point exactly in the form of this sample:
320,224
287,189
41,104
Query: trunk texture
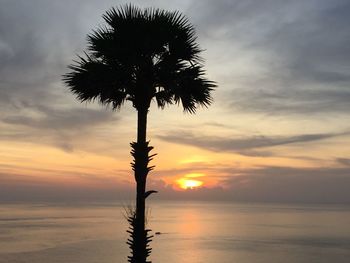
141,161
139,235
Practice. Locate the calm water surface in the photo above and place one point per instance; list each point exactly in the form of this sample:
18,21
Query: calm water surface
191,233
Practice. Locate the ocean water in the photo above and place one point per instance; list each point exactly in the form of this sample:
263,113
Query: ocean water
191,232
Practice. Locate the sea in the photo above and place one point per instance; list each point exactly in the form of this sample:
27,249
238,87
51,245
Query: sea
187,232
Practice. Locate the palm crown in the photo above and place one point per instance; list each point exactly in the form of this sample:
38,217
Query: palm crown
139,56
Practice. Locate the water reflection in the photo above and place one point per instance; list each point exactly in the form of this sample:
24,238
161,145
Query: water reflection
190,233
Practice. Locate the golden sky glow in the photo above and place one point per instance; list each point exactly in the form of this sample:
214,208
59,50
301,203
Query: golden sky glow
186,183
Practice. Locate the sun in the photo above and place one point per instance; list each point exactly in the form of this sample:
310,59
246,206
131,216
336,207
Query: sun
185,183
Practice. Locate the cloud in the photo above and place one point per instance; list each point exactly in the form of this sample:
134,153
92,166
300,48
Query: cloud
281,57
61,119
42,124
243,145
24,188
285,184
37,42
344,161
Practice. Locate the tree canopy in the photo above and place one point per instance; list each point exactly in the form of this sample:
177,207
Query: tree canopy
142,55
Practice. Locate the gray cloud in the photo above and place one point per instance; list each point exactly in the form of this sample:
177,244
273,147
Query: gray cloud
59,127
18,187
35,43
243,145
38,39
60,120
283,184
287,100
299,53
344,161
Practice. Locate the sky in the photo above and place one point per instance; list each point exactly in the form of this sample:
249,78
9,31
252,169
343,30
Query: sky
277,131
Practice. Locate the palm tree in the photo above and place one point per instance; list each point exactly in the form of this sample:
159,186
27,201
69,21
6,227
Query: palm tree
141,55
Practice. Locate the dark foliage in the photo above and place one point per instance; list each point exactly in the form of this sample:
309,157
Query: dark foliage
139,56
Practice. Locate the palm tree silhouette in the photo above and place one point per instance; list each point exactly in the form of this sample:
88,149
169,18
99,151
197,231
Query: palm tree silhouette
141,55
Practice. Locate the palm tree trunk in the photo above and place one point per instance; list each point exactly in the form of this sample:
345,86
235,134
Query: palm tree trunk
140,152
141,174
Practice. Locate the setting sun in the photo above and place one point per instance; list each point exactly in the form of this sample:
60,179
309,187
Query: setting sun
185,183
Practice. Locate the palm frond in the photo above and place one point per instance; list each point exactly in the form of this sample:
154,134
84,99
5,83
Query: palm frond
92,80
185,84
141,54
